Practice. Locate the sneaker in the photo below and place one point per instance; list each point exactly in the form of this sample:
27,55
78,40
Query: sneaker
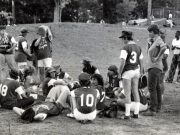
124,117
135,116
70,115
149,113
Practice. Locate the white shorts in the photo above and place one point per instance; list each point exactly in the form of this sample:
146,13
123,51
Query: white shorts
131,74
47,62
80,116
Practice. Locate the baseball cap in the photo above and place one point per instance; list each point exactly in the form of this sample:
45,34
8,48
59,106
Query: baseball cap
24,30
84,77
126,34
2,27
113,68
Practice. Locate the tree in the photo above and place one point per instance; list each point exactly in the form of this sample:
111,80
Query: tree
59,5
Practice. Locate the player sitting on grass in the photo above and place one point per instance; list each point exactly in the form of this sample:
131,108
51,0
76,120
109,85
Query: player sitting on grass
84,100
112,81
98,83
12,94
50,81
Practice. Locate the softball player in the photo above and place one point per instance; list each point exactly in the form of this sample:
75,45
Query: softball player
84,100
130,67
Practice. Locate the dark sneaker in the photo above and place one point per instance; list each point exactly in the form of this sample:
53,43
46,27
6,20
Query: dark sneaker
135,116
124,117
149,113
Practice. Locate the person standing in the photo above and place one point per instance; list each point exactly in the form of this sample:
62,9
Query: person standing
130,69
22,53
7,45
44,52
175,60
155,67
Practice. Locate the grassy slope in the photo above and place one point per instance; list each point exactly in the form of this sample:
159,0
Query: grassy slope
72,42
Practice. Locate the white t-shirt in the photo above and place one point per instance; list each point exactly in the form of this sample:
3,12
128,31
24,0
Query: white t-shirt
176,43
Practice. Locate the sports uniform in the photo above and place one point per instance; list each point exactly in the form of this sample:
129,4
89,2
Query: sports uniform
21,54
44,52
86,99
7,44
130,56
10,95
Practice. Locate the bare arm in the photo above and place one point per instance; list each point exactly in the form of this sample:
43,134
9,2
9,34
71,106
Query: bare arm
121,67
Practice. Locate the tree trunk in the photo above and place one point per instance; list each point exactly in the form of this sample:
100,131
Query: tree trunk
149,11
57,11
13,11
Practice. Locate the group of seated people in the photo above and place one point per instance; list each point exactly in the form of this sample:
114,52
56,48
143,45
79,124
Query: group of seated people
85,99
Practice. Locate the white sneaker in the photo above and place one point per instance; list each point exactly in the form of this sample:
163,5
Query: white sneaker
70,115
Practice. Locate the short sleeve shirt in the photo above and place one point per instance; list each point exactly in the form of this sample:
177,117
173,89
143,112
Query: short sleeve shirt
86,99
132,54
153,52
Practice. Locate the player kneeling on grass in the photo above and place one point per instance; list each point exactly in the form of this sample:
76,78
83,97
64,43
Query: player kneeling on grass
12,94
84,100
130,69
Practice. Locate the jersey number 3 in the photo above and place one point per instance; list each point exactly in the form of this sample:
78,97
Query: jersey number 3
3,90
133,58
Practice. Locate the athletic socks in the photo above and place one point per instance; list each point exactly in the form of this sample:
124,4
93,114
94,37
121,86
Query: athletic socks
136,111
127,109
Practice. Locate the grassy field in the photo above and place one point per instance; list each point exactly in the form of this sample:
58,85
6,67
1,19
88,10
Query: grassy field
72,42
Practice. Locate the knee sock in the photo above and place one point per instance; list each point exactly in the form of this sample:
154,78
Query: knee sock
127,109
137,104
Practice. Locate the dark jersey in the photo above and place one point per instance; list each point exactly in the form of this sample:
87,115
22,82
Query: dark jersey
100,104
86,99
21,56
8,96
44,49
113,81
45,87
133,54
5,43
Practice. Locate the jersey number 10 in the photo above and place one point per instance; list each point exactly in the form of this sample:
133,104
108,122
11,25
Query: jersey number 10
89,100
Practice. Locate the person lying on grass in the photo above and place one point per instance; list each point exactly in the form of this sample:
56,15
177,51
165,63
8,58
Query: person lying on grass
53,105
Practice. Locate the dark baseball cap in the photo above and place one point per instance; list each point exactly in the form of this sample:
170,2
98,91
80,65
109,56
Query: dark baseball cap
24,30
126,34
84,77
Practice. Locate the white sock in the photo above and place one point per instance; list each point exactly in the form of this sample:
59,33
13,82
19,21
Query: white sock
127,109
137,104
